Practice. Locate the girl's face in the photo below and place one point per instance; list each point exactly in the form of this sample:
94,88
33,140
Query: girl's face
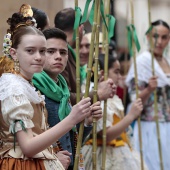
114,72
30,54
160,35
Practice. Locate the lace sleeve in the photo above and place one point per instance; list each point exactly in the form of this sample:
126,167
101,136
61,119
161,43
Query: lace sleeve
16,108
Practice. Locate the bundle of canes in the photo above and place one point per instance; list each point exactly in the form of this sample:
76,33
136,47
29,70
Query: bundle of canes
155,94
89,68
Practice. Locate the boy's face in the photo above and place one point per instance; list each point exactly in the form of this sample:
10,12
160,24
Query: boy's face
56,56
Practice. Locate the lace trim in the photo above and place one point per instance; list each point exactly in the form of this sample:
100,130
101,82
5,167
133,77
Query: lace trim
12,84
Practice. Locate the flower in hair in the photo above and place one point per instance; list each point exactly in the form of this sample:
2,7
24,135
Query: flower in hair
7,45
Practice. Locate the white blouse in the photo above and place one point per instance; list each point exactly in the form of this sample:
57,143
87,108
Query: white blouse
17,108
15,95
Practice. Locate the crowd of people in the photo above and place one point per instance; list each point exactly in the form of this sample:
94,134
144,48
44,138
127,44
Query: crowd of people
40,118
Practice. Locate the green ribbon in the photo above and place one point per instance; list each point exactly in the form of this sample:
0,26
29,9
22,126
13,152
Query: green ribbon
84,18
14,132
77,20
149,30
132,34
112,22
102,13
91,16
136,38
129,36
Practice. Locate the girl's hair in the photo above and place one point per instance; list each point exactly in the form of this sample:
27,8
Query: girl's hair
24,30
111,60
161,22
64,19
20,26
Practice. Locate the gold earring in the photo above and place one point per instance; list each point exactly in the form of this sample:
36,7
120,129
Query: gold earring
16,66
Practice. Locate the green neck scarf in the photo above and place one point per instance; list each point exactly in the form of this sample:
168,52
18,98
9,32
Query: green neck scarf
58,92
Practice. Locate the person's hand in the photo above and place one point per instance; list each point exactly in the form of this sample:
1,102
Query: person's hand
106,89
152,84
64,158
96,112
136,109
81,110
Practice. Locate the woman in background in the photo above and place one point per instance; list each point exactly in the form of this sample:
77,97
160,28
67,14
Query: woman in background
147,83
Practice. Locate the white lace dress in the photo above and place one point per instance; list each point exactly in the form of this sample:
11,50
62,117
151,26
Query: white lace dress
117,158
22,106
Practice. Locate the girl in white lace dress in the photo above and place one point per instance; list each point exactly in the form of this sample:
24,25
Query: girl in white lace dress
147,83
24,138
119,152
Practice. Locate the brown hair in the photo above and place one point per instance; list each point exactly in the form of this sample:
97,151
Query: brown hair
24,30
64,19
20,26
